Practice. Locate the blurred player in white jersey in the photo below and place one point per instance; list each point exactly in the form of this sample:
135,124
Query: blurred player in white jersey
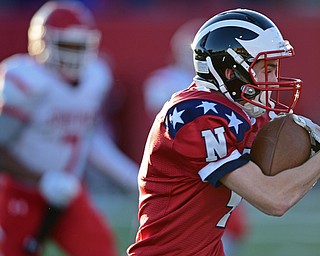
49,105
164,82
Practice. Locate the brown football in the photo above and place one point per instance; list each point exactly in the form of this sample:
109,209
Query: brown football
281,144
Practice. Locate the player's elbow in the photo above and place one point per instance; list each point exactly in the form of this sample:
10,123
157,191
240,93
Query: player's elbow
277,212
277,208
274,206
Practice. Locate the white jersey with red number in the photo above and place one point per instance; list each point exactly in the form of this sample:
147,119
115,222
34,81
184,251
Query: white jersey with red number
197,134
58,118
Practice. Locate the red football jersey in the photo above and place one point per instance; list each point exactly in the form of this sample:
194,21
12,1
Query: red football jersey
197,134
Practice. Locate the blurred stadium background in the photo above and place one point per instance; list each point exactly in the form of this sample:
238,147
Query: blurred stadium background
136,35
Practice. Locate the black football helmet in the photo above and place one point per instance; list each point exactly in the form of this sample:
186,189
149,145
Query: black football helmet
238,39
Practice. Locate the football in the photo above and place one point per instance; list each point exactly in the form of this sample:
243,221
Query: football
281,144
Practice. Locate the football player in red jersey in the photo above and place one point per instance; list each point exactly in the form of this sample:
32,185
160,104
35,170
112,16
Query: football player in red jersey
196,166
50,100
159,87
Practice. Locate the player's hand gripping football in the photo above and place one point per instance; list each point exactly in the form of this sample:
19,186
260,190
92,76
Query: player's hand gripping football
312,128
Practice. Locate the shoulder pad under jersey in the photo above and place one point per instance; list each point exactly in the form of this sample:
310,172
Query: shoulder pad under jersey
20,83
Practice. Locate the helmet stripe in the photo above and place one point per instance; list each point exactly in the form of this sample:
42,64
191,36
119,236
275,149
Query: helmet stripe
226,23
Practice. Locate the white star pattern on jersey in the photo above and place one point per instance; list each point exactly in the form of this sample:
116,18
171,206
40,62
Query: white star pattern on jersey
208,106
234,121
186,111
176,117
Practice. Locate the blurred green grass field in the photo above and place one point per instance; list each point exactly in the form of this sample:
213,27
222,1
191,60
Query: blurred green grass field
295,234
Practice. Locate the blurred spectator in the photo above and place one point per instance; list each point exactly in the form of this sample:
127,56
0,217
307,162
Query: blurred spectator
162,83
50,101
176,76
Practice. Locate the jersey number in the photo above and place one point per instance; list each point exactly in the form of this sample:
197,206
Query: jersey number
73,141
234,201
216,147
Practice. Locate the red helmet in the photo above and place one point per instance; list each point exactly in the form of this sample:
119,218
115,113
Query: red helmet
64,36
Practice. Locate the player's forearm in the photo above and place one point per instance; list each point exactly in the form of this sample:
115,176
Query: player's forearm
110,160
273,195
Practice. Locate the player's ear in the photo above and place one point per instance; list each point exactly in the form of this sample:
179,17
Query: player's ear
229,73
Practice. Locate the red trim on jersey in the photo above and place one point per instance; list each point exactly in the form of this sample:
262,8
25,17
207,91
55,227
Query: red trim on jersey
18,83
15,112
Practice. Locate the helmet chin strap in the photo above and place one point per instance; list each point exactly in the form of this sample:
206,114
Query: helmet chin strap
222,88
251,110
238,59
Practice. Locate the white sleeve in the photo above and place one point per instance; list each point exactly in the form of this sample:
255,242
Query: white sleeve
109,159
155,95
19,93
9,129
18,99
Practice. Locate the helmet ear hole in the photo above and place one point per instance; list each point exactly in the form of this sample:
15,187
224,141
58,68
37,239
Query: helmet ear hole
241,74
229,73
